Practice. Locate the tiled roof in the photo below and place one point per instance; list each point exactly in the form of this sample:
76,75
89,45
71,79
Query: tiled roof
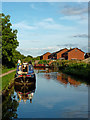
58,51
45,53
73,49
61,50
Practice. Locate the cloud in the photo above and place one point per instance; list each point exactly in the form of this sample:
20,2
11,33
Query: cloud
74,18
38,51
49,20
33,6
68,45
81,36
24,25
74,10
49,23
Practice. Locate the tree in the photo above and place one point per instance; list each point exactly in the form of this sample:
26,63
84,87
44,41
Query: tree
29,56
9,41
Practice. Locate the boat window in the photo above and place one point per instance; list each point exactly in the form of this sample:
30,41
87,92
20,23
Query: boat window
24,68
19,68
30,68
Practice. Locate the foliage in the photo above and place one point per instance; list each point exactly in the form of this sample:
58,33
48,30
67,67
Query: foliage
17,56
9,41
43,62
77,68
28,58
36,58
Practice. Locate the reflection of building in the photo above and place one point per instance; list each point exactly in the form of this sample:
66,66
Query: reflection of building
73,81
47,76
64,79
25,92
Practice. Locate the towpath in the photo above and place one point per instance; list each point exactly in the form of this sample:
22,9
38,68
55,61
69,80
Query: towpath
7,73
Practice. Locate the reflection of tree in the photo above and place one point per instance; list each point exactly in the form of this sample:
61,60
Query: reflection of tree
9,108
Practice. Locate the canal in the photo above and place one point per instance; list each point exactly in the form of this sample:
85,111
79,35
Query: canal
54,95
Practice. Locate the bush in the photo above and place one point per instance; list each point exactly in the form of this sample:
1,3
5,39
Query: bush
43,62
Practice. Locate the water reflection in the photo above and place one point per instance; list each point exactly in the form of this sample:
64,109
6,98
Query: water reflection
55,98
9,106
59,76
64,79
25,92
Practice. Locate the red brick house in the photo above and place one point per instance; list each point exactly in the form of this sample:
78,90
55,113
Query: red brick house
58,54
74,53
45,56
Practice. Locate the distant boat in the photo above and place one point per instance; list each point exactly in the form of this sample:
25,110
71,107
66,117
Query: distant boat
40,65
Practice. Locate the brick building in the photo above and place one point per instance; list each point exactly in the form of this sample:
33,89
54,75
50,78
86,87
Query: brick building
74,53
45,56
58,54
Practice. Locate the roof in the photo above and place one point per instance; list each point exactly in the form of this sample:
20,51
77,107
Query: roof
61,50
52,53
73,49
58,51
45,53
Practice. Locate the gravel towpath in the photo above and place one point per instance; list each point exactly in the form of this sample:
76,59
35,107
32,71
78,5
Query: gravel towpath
7,73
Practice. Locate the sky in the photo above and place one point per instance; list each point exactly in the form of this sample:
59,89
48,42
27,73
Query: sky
48,26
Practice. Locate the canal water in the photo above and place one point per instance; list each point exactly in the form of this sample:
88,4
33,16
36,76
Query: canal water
54,95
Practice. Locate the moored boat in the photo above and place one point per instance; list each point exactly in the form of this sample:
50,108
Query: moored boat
25,73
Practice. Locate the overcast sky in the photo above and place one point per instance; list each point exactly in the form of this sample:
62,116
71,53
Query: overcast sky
48,26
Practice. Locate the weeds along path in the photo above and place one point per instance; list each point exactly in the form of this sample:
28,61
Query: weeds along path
7,73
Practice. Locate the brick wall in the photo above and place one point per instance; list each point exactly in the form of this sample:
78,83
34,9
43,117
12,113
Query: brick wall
45,56
76,54
59,54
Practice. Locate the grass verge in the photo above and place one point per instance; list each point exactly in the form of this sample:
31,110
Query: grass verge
7,79
6,70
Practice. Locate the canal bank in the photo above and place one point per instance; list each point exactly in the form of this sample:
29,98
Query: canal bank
7,81
75,68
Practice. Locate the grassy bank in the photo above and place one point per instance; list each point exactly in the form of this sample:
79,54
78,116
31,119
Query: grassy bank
6,70
77,68
7,79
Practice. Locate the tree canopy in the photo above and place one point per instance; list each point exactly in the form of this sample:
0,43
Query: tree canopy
9,41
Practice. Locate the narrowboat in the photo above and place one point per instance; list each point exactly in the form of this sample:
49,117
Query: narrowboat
25,73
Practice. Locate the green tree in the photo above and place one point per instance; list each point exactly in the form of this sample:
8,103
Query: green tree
17,56
9,41
29,56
